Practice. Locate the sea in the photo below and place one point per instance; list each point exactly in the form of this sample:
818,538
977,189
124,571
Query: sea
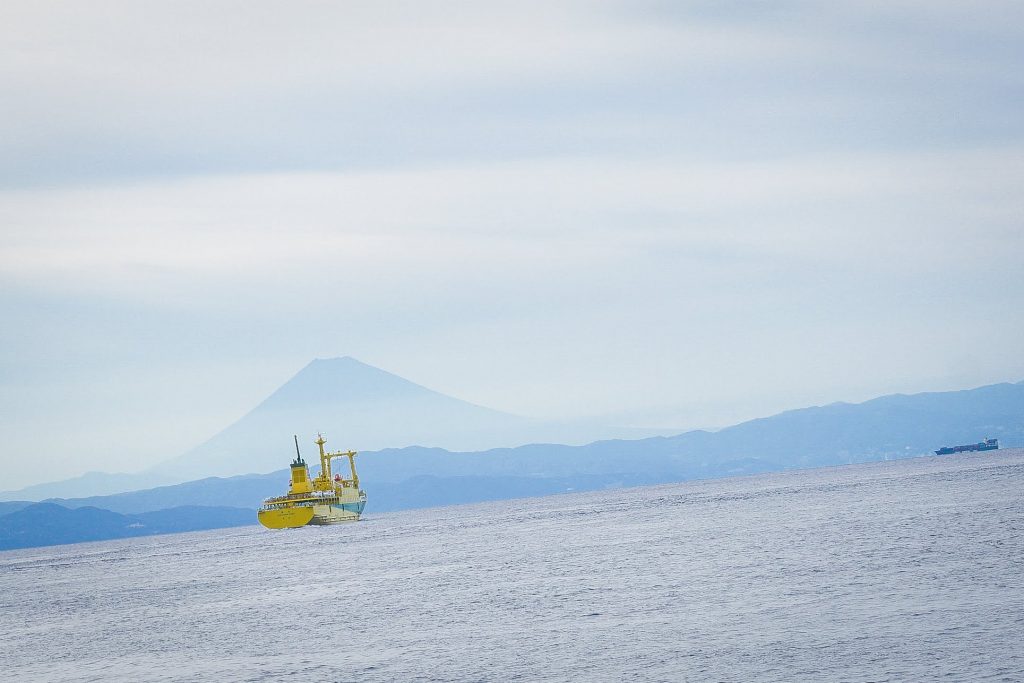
911,570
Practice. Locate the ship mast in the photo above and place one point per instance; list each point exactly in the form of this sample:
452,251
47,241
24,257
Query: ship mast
352,465
324,480
325,462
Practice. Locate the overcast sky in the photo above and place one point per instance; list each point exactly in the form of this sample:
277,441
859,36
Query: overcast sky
666,213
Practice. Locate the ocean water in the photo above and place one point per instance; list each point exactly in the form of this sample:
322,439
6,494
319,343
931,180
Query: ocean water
900,571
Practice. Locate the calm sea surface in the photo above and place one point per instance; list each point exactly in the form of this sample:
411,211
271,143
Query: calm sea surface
899,571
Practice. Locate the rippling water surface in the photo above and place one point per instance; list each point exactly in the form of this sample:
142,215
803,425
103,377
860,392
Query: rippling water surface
901,571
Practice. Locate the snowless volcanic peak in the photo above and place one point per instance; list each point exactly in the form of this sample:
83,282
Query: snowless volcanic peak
359,407
343,379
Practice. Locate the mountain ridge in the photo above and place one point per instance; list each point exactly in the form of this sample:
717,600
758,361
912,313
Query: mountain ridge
808,437
372,409
46,523
804,422
889,427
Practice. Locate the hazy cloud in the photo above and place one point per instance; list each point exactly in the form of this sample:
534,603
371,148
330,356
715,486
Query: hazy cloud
668,213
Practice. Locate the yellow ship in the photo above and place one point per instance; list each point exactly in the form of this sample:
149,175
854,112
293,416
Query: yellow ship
323,500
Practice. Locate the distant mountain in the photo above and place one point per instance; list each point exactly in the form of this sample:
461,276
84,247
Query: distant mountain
886,428
895,426
42,524
359,406
246,491
88,484
356,406
13,506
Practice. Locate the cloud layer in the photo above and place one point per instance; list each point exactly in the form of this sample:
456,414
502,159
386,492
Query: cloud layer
668,216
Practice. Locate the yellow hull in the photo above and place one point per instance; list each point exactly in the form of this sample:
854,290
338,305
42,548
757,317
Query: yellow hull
326,514
285,518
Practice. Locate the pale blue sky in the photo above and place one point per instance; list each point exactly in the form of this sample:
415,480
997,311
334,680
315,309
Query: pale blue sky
672,214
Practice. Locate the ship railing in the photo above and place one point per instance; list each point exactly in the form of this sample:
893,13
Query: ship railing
299,498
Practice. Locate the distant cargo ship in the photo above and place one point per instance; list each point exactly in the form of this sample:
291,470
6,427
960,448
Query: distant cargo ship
323,500
986,445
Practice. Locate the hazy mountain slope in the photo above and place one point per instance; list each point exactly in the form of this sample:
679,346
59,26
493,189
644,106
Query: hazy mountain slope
13,506
242,492
889,427
88,484
357,406
42,524
353,403
886,427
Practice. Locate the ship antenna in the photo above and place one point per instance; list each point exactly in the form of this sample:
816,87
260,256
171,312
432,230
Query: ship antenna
298,456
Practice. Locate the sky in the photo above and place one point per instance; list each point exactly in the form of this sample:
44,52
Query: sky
670,214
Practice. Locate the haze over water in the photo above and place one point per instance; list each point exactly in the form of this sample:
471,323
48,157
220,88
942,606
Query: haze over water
907,570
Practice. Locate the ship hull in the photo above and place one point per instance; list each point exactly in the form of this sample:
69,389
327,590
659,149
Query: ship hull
316,514
336,514
286,518
988,445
